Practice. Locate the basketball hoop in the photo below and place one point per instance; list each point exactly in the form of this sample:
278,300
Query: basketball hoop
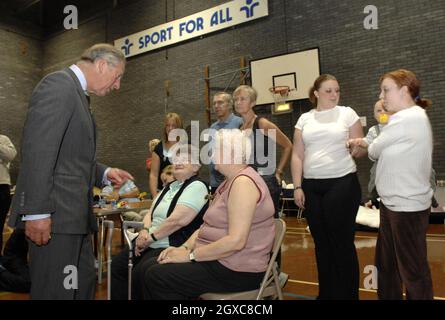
282,90
280,95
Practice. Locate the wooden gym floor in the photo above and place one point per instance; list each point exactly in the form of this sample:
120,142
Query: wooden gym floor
298,260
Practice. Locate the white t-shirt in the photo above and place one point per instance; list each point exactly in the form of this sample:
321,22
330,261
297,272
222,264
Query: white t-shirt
324,136
404,149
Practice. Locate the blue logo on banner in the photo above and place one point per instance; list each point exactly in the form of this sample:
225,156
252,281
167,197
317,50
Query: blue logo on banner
248,8
127,47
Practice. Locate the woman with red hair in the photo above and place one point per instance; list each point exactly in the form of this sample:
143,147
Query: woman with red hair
404,152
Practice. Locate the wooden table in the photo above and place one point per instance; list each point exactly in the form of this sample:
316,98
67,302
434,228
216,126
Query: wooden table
102,214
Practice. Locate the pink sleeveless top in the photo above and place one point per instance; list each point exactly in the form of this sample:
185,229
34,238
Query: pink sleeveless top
255,256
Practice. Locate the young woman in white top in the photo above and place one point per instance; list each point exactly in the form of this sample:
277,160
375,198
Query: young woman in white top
404,152
326,185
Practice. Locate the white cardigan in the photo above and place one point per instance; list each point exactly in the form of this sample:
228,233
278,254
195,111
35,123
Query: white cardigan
404,150
7,154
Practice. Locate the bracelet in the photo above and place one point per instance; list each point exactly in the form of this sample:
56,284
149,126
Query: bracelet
299,187
183,245
153,237
146,229
279,171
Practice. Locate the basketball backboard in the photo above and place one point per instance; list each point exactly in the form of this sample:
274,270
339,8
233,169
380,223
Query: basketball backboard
298,70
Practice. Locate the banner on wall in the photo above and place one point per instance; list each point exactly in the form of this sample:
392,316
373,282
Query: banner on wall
217,18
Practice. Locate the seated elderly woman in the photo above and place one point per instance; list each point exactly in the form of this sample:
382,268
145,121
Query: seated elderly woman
176,213
231,250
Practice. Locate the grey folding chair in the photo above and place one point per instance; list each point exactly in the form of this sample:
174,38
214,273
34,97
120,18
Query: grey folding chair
273,281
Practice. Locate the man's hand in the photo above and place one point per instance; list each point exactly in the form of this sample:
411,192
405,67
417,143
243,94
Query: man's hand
118,177
38,231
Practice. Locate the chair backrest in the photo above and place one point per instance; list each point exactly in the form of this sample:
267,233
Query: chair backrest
270,285
271,274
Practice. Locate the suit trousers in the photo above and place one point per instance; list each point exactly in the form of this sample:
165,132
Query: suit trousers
63,269
331,208
5,202
401,255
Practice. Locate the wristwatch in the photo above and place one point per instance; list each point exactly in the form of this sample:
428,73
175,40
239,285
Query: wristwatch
192,256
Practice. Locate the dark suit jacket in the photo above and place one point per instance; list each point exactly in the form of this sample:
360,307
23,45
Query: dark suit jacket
58,166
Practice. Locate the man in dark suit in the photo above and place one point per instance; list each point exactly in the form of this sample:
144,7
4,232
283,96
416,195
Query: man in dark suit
58,170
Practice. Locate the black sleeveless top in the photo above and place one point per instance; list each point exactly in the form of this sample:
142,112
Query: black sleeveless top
259,157
163,161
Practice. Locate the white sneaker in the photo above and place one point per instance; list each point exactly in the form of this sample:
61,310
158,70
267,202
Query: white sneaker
283,277
132,235
308,230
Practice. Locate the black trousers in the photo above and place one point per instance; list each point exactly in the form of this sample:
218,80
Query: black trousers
16,280
63,269
14,276
5,202
401,255
331,208
180,281
119,273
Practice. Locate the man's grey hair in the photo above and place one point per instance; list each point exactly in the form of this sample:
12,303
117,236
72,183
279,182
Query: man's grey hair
227,97
105,51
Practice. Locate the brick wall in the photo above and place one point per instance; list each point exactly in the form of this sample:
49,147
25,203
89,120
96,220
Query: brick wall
20,70
409,36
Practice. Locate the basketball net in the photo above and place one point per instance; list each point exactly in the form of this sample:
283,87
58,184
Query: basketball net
280,95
